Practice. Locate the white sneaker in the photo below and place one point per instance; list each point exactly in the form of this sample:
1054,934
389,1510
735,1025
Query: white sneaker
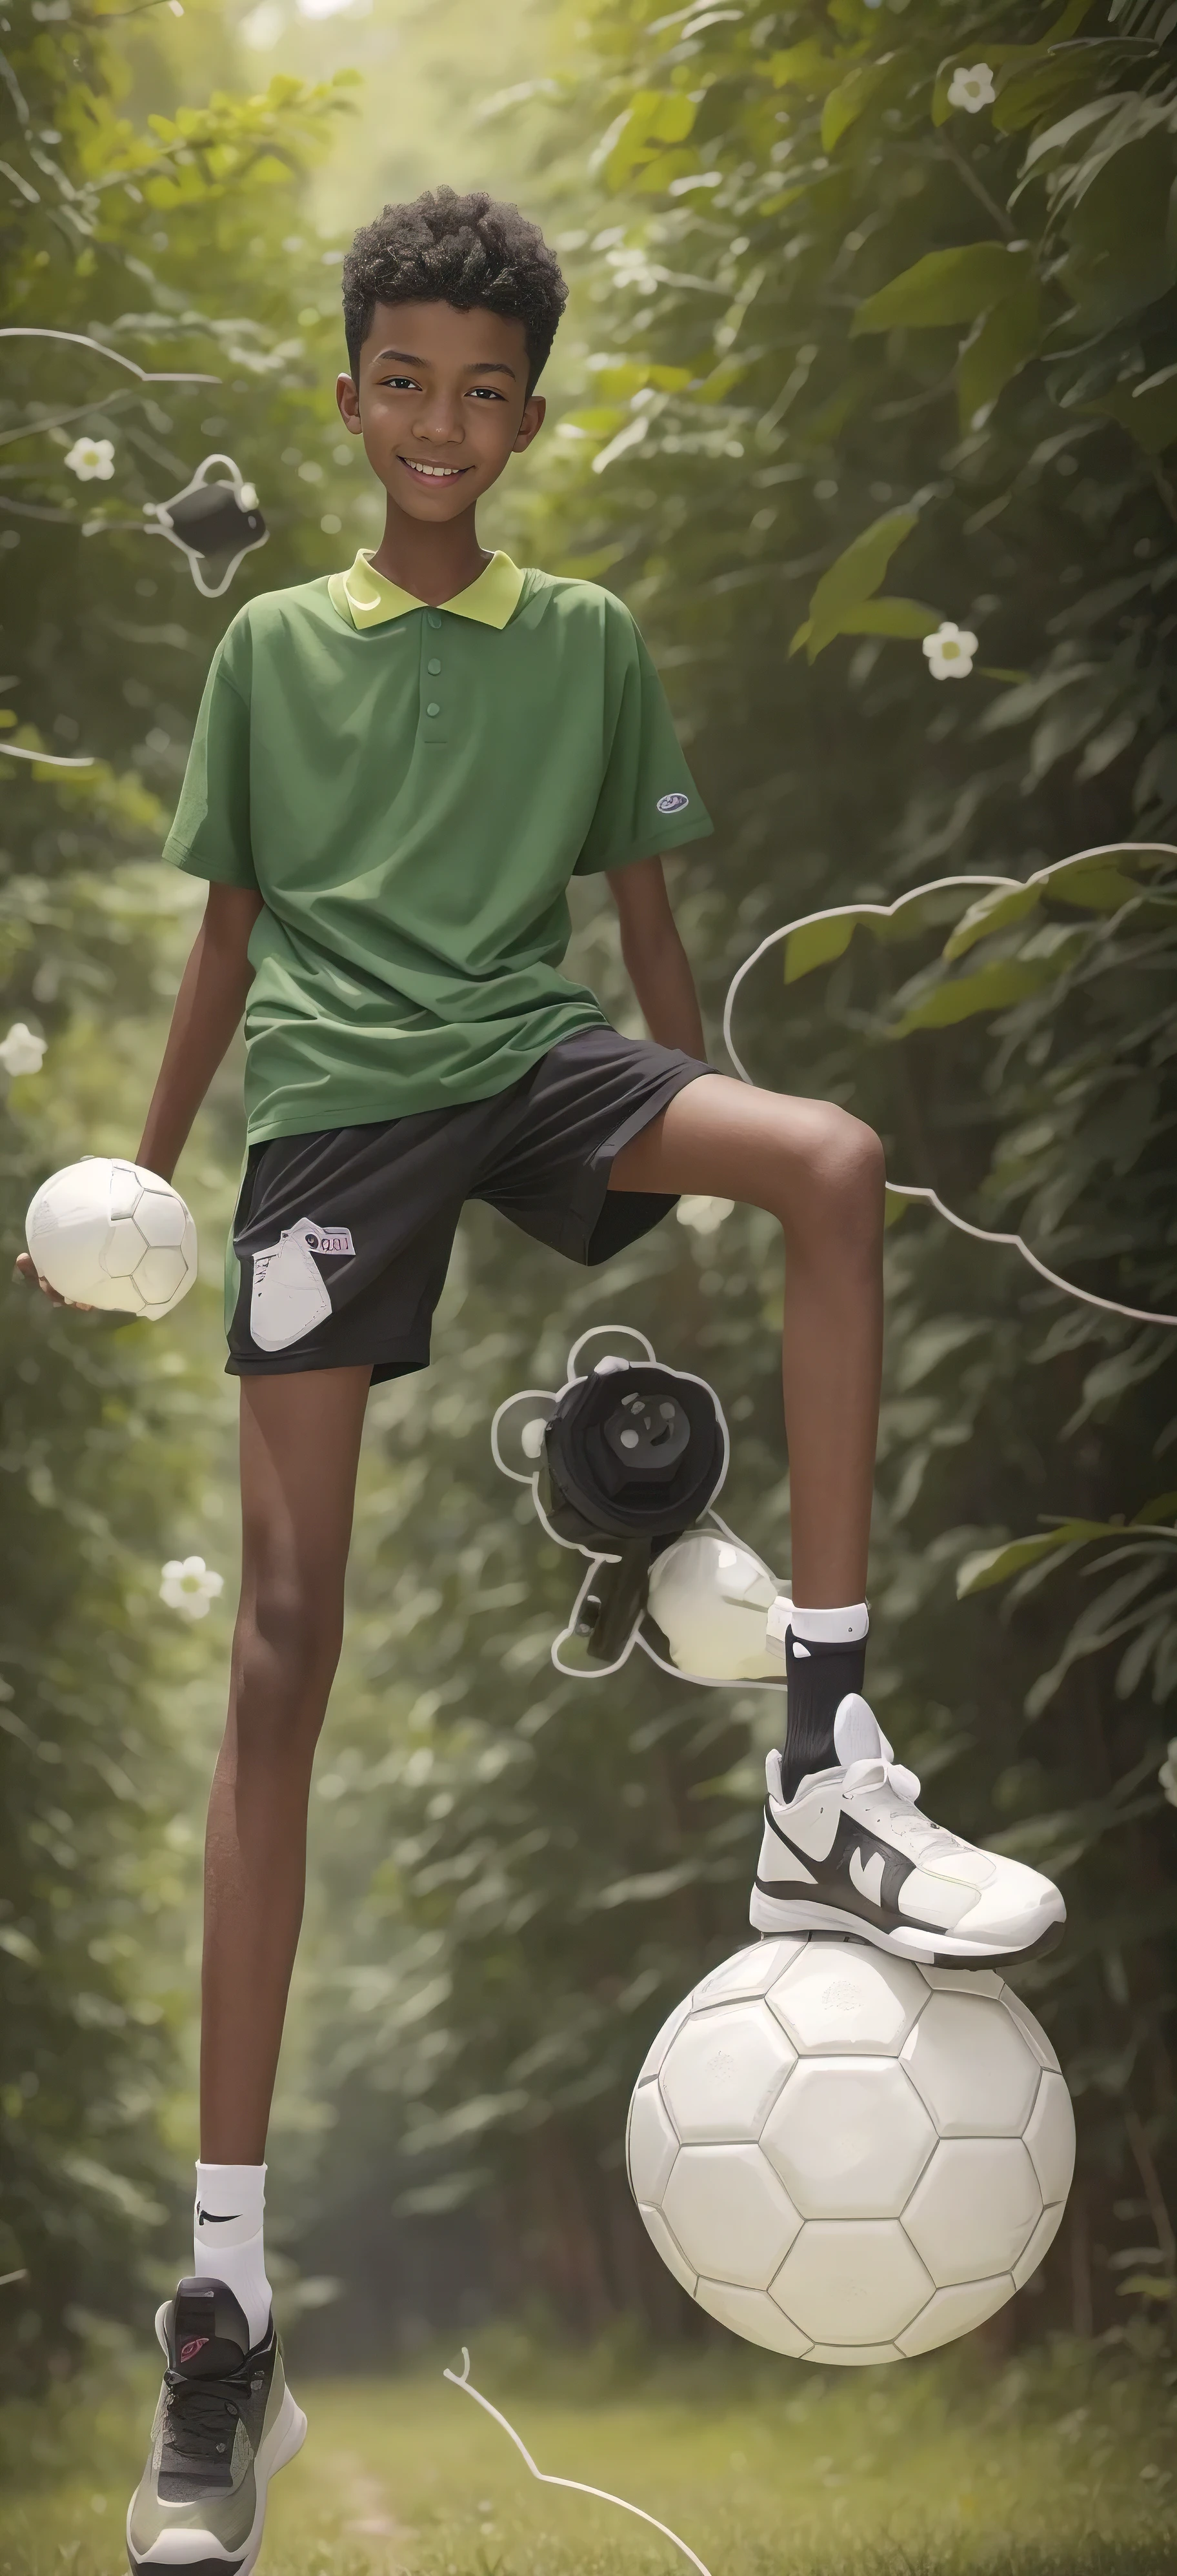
851,1852
225,2424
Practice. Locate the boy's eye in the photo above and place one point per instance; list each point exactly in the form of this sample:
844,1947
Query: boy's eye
486,393
401,384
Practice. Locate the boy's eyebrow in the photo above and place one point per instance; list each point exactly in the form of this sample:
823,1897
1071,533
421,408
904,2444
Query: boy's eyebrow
474,367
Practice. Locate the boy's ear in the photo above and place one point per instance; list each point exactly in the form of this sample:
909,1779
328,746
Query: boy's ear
348,399
534,410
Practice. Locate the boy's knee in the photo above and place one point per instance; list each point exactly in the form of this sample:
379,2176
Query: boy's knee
286,1650
845,1174
854,1157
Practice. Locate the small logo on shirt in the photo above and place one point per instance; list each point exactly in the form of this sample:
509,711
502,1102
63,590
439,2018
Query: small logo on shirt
674,803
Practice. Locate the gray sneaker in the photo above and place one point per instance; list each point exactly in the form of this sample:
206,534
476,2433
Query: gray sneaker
224,2423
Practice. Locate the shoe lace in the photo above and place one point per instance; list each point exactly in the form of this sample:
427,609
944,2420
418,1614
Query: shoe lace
202,2415
886,1792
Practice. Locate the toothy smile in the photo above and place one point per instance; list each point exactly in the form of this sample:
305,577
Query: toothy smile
434,473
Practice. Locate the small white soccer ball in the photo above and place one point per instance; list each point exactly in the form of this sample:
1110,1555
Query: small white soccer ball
107,1233
710,1597
846,2157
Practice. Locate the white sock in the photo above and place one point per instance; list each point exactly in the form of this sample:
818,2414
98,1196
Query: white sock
227,2237
831,1627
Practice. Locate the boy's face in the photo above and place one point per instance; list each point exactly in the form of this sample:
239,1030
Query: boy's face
441,403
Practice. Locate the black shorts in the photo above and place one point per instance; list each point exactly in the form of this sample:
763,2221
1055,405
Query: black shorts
343,1238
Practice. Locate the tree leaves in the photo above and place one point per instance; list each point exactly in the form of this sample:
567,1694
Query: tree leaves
838,603
806,67
109,1429
993,987
996,911
635,142
990,284
1148,410
992,1565
818,944
945,287
845,104
1005,337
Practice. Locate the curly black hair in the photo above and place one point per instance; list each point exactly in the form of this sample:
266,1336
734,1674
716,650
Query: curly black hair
464,251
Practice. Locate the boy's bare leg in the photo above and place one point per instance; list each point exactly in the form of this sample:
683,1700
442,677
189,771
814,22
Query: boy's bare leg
300,1443
820,1172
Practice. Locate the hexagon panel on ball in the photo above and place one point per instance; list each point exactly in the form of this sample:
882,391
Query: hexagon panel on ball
845,2158
969,2062
734,2221
723,2072
849,2138
838,1997
106,1233
974,2210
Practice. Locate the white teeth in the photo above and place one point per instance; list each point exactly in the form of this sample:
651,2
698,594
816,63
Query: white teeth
447,473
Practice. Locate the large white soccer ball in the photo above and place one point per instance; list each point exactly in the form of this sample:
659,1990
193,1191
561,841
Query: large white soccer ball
110,1234
847,2157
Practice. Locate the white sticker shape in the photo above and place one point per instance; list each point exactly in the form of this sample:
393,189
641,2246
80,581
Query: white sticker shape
289,1297
674,803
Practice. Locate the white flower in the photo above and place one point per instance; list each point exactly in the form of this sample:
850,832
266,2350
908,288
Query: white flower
972,89
1167,1775
189,1585
950,651
22,1051
92,459
704,1216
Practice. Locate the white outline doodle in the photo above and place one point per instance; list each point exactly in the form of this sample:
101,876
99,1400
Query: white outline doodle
158,517
887,912
543,1402
146,376
50,759
461,2379
82,340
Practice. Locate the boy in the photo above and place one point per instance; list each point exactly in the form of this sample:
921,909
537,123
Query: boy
395,774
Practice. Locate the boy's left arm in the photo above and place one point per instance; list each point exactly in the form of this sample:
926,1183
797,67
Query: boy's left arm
655,959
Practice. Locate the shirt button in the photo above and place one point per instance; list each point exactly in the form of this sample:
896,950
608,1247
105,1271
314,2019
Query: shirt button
433,708
434,619
434,667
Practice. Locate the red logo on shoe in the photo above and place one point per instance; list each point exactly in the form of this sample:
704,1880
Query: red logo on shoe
188,2351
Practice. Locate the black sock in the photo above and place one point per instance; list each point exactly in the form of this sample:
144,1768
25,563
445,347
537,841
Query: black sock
819,1678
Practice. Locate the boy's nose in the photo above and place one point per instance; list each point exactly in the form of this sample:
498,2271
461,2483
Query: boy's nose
438,426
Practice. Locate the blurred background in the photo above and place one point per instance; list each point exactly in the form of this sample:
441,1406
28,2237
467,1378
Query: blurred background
853,349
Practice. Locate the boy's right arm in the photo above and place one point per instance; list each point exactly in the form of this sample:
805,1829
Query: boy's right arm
207,1011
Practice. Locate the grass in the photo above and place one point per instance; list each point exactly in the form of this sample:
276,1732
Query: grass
1060,2467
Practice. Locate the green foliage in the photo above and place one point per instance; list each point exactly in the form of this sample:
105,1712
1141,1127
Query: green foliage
102,1444
844,602
947,286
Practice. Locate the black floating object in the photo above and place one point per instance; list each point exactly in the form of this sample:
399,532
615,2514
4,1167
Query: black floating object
206,520
213,522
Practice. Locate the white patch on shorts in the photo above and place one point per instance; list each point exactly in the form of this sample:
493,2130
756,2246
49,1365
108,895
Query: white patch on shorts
674,803
289,1297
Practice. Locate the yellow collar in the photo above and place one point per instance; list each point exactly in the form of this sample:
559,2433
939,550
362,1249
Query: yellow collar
365,598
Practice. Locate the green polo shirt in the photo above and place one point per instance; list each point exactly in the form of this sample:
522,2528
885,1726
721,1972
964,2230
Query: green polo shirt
410,789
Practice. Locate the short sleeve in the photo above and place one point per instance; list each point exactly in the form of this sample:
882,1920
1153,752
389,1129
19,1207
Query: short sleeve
210,836
648,801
